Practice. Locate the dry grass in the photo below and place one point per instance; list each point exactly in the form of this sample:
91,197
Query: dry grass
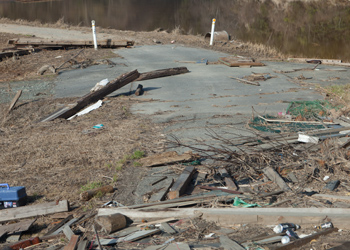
55,159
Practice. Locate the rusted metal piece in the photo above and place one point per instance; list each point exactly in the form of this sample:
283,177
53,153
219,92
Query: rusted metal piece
26,243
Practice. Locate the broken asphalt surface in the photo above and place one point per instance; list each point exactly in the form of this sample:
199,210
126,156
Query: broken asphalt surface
206,98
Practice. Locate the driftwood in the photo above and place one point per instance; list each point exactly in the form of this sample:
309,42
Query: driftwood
87,195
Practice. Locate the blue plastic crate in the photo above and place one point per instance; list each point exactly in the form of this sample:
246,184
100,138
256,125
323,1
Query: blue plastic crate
12,196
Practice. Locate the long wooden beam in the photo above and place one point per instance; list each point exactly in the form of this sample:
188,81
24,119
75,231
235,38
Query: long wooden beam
230,216
34,210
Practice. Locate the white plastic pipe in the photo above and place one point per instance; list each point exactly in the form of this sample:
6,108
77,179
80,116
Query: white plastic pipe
212,32
94,34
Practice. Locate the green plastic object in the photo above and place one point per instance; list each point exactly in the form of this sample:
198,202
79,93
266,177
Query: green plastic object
241,203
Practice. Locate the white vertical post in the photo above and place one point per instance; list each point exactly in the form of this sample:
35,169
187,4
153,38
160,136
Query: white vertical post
94,34
212,32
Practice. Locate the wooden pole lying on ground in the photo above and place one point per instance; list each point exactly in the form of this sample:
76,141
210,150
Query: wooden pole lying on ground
90,98
162,73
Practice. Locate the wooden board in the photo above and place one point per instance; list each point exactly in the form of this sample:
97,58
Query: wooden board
34,210
178,246
181,184
230,216
60,229
72,243
237,62
165,158
275,177
59,225
331,197
230,183
108,43
161,195
16,227
138,235
229,244
167,228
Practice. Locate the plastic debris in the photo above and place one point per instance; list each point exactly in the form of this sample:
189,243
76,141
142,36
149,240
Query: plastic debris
241,203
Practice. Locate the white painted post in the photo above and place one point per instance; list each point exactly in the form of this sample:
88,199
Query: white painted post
94,34
212,32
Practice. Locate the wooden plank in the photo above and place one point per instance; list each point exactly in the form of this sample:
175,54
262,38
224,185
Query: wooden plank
34,210
165,158
275,177
229,216
108,43
222,189
19,52
228,179
156,222
331,197
68,232
167,228
229,244
72,243
14,100
303,241
237,62
178,246
139,235
161,195
16,227
181,184
246,81
289,121
162,73
82,245
60,229
59,225
198,197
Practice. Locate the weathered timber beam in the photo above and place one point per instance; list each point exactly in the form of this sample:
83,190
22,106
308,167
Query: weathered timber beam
162,73
230,216
90,98
34,210
181,183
